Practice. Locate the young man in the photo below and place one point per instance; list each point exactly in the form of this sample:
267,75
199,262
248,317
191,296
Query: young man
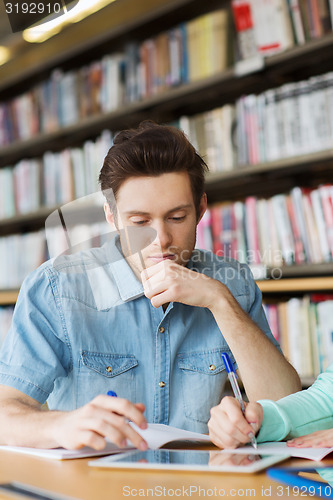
151,326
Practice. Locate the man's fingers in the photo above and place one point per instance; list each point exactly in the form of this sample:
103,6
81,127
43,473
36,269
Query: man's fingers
114,427
122,407
92,439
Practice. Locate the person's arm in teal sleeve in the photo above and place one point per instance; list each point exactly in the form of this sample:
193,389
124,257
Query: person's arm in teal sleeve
295,415
300,413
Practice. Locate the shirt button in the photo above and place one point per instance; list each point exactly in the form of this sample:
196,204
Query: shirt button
161,329
212,367
161,384
109,369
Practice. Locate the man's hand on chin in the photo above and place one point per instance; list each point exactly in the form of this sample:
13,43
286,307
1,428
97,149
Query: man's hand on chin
168,281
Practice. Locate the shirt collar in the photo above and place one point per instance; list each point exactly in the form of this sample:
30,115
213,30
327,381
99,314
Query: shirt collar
129,286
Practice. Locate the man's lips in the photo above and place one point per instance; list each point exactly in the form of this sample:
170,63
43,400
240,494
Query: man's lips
164,256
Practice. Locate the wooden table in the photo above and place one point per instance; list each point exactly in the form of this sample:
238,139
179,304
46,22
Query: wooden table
75,479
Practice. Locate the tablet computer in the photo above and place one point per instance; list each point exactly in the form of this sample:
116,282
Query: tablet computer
196,460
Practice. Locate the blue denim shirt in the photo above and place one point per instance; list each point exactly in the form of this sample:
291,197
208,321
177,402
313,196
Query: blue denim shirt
84,326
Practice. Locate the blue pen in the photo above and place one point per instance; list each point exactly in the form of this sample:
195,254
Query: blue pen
235,388
114,395
111,393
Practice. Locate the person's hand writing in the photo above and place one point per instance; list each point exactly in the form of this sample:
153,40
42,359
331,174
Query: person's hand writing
103,417
168,281
227,426
318,439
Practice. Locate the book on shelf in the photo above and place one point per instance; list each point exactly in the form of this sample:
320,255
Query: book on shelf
56,178
244,25
303,326
187,52
285,229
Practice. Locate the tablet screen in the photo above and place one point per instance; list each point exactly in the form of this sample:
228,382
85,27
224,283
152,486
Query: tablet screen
189,460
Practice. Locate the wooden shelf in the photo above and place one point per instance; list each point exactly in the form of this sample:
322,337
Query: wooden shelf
290,285
8,297
284,285
266,179
83,212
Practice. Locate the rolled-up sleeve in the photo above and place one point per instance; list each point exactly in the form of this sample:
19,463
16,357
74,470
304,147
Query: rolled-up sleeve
300,413
36,351
256,310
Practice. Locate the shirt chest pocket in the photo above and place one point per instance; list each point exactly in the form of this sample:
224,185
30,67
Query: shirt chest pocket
101,372
202,378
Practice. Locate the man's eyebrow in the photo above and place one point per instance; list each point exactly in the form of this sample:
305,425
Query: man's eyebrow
175,209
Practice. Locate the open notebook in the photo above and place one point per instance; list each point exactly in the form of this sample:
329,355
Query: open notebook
157,435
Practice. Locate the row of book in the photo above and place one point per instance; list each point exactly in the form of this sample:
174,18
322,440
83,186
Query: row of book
285,229
54,179
291,120
294,119
20,254
267,26
190,51
304,328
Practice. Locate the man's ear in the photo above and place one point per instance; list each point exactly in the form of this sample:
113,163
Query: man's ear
109,216
202,206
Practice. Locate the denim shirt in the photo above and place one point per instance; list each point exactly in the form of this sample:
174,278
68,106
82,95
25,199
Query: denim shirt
83,326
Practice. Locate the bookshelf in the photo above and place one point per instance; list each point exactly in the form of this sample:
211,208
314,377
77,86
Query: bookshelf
292,285
8,297
282,286
127,20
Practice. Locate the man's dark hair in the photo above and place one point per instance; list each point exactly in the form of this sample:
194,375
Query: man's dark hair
152,150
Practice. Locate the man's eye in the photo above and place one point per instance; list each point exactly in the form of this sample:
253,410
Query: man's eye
178,219
139,222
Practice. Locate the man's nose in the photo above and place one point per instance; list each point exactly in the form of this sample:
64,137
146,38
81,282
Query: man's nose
163,235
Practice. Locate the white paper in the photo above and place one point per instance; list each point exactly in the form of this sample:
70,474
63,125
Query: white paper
281,448
63,454
158,435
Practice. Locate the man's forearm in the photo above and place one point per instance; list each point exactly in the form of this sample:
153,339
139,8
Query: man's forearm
265,373
25,425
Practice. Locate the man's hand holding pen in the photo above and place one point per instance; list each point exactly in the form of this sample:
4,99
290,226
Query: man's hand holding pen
229,428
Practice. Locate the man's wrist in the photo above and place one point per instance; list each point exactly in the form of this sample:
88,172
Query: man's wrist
218,298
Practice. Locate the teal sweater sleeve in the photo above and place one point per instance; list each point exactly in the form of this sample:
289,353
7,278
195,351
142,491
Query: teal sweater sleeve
300,413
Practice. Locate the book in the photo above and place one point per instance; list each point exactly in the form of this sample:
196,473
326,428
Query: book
156,436
272,26
243,19
297,23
